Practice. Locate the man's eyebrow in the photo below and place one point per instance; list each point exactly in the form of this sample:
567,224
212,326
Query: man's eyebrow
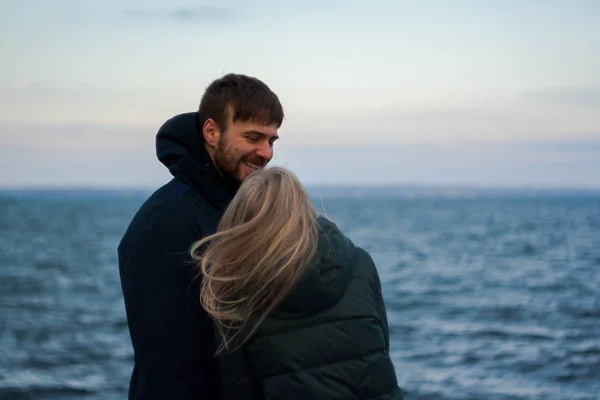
258,133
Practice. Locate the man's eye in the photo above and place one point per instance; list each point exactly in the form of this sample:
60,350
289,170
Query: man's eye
252,139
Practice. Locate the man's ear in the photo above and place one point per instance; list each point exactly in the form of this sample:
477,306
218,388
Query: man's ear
211,132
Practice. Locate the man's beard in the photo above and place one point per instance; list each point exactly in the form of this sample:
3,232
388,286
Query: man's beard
226,162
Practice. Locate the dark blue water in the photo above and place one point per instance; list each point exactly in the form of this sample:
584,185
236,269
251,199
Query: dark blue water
488,298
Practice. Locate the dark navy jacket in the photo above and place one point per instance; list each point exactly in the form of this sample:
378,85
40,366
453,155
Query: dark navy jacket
173,338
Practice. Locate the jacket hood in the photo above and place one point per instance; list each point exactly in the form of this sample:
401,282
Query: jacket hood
325,278
180,147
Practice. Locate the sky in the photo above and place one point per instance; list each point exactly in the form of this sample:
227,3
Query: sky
375,92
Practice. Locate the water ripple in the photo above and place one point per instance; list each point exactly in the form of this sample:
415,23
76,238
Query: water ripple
487,298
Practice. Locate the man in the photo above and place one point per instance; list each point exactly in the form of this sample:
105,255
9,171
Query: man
209,153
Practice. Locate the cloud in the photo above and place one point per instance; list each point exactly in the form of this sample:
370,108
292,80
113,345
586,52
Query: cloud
202,14
47,168
114,156
578,145
579,96
441,124
83,138
473,164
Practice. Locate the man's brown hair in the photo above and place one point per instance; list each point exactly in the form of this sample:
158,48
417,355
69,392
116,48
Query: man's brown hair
248,98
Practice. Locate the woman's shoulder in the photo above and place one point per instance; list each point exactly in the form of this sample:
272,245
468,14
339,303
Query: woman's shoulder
364,265
357,258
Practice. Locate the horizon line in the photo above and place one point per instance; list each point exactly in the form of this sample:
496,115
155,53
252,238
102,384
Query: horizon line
323,186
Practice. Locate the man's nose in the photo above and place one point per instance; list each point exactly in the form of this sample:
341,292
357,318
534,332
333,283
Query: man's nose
265,150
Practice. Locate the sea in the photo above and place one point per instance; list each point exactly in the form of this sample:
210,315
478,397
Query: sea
491,294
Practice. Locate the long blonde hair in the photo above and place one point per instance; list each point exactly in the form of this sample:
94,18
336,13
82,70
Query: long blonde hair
264,240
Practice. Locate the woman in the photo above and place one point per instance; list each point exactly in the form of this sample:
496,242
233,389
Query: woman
298,307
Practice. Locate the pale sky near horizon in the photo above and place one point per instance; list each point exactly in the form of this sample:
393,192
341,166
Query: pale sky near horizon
423,91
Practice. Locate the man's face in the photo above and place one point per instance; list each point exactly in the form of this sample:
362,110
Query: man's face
244,147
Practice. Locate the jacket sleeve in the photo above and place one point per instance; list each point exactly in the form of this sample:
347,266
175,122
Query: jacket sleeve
373,276
172,336
379,299
382,309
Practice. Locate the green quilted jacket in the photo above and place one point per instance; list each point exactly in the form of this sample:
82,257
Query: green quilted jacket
327,340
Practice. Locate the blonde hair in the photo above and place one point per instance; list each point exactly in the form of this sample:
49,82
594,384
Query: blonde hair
265,239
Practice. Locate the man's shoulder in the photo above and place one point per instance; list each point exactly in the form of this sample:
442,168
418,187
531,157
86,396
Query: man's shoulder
167,201
172,209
